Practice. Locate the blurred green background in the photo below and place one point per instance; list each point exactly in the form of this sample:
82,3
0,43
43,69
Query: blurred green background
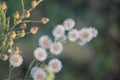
97,60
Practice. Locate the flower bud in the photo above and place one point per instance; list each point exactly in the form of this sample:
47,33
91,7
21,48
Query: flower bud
4,5
51,75
17,50
11,42
44,20
22,33
27,14
34,3
34,30
13,34
23,26
16,15
10,51
5,57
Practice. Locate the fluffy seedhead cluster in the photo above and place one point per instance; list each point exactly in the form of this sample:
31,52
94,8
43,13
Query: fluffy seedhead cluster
47,46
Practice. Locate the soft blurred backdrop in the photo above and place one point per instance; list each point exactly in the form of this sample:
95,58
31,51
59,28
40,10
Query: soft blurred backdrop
98,59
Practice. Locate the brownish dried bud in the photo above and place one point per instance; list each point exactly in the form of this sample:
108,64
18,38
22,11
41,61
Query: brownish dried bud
23,26
13,34
10,51
44,20
17,50
34,30
22,33
16,15
11,42
27,14
34,3
4,5
5,57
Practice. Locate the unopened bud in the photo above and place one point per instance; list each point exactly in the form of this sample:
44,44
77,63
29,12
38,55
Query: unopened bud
16,15
13,34
10,51
34,3
11,42
22,33
17,50
5,57
27,14
34,30
44,20
23,26
4,5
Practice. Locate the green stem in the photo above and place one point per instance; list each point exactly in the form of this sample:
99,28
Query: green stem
27,21
30,66
22,2
10,72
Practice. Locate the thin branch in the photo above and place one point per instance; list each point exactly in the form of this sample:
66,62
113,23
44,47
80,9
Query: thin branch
36,5
27,21
23,9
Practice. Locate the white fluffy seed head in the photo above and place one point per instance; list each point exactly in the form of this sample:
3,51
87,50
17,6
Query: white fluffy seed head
56,48
73,35
55,64
45,41
15,60
69,24
40,54
33,70
38,73
61,39
85,34
81,43
94,31
58,31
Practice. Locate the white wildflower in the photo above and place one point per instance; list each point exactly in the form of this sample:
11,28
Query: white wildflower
69,24
81,43
94,31
85,34
33,70
45,41
56,48
73,35
16,60
61,39
55,64
38,74
58,31
40,54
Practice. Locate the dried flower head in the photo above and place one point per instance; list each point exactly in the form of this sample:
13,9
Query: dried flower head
56,48
55,64
58,31
15,60
38,74
73,35
45,41
40,54
69,24
85,34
